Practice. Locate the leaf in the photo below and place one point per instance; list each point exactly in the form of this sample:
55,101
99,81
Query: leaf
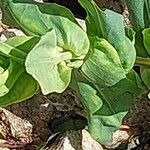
44,18
139,13
107,106
130,33
105,22
92,101
48,8
102,127
47,63
120,96
145,75
20,86
147,13
136,11
103,65
15,84
109,25
146,39
3,78
133,76
18,47
139,20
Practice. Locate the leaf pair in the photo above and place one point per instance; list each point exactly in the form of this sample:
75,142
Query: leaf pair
15,84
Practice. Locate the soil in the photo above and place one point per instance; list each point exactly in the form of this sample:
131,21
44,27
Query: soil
45,113
79,12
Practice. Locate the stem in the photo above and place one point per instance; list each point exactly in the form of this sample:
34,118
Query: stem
141,61
147,7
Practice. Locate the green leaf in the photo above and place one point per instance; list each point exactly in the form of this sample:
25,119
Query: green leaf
102,127
47,63
47,8
15,84
120,97
145,75
130,33
98,125
92,101
3,78
107,106
18,47
139,20
109,25
139,13
103,65
44,19
136,11
146,39
133,76
18,85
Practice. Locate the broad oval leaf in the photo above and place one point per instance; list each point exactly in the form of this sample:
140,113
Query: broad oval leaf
103,65
109,25
70,36
47,8
47,63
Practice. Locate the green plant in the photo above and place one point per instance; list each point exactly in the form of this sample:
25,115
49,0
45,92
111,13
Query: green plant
57,53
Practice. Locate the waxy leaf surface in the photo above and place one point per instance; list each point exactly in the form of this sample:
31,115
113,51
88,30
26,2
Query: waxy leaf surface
47,63
36,19
15,84
103,65
109,25
107,106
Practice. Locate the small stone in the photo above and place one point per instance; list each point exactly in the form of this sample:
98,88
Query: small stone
76,140
13,126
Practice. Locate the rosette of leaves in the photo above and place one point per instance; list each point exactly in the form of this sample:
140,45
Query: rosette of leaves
98,64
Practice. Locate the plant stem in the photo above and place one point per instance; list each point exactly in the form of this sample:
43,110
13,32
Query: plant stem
141,61
147,3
